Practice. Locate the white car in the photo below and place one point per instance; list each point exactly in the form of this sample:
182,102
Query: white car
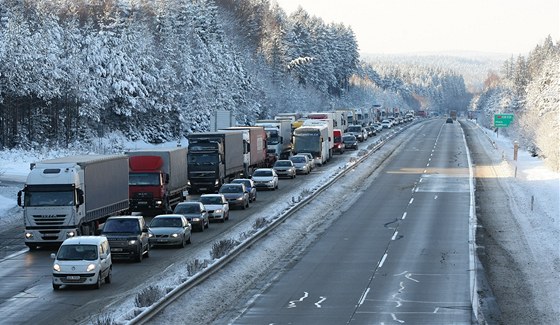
265,178
82,260
386,124
216,205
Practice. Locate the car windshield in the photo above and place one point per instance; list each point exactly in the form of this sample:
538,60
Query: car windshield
121,226
298,159
77,252
211,200
166,222
230,189
187,208
262,173
247,182
349,138
283,164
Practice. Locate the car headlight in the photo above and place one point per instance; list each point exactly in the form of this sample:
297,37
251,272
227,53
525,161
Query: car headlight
218,211
28,235
174,235
90,267
150,235
132,242
56,267
195,219
239,198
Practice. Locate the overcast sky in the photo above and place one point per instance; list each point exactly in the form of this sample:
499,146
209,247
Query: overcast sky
406,26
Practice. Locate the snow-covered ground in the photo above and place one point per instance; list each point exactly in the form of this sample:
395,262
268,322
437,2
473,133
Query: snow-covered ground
532,180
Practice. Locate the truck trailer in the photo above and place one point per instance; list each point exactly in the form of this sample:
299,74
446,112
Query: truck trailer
279,136
214,159
71,196
157,179
256,150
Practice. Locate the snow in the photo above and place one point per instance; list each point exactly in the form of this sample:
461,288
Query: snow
534,187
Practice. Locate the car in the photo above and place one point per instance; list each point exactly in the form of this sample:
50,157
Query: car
265,178
449,120
301,163
357,131
350,141
378,127
170,230
285,167
236,195
128,237
82,261
311,159
195,212
216,205
371,131
249,186
386,124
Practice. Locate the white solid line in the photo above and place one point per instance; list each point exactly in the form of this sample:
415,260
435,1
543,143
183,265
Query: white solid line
395,235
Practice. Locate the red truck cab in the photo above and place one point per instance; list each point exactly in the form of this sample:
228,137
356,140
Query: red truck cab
147,183
338,144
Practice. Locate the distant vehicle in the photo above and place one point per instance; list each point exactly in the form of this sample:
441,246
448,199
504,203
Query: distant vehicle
285,167
378,127
170,229
386,124
216,205
371,131
449,120
236,195
128,237
358,132
249,186
301,163
338,145
350,141
311,160
82,260
195,212
265,178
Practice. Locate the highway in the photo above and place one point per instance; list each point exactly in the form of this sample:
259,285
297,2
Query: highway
398,255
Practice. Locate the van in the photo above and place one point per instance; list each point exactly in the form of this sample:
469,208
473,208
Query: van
338,145
82,261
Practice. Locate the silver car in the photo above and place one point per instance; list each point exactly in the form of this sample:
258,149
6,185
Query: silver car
170,230
309,158
285,167
301,163
265,178
216,205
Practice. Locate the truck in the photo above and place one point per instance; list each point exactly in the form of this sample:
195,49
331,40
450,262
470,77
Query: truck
453,114
157,179
71,196
214,158
279,136
221,120
255,152
313,139
327,118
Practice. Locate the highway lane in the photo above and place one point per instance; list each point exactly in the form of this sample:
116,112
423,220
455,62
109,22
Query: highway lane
398,255
26,294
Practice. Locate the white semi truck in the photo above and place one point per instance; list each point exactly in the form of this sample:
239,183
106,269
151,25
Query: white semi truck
71,196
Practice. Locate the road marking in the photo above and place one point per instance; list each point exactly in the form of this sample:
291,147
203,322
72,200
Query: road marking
292,303
318,303
383,260
428,165
409,276
396,319
411,200
364,295
436,310
425,171
403,216
395,235
435,197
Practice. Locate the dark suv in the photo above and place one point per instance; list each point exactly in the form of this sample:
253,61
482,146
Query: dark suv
128,237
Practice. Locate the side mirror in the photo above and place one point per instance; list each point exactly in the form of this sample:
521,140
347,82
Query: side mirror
80,196
145,229
19,202
166,178
103,256
53,256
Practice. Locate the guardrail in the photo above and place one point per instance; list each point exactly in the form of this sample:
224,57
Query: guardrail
150,312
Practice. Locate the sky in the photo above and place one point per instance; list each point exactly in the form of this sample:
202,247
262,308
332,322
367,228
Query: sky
509,27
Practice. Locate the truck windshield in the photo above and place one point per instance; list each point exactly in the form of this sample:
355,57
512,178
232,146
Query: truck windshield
272,137
307,144
46,199
202,158
144,179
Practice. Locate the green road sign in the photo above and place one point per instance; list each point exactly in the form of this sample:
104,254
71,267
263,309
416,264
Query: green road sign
502,120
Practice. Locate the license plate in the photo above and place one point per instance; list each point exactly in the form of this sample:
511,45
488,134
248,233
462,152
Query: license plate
143,202
116,249
203,188
73,277
161,240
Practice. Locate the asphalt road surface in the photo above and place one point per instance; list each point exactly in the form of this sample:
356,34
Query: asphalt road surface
399,254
